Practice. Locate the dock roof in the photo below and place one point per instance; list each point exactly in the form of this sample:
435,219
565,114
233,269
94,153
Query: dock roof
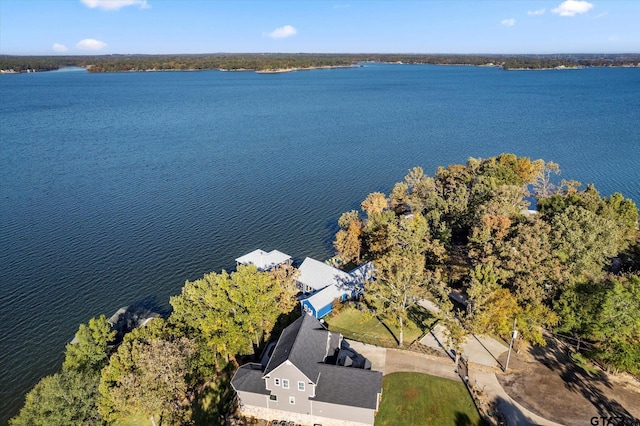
264,260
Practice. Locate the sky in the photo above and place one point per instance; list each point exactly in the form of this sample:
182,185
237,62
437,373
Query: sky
96,27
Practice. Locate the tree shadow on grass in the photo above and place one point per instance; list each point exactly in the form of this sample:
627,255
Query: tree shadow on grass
462,419
421,317
212,402
396,338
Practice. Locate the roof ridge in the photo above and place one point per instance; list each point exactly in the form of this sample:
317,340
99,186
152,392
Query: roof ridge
279,342
304,317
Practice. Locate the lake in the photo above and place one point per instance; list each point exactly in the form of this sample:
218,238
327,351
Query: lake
116,188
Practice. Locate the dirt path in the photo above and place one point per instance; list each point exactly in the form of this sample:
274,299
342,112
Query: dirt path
546,382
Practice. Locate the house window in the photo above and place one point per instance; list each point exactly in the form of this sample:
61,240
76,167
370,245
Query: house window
301,386
285,383
276,381
273,397
292,400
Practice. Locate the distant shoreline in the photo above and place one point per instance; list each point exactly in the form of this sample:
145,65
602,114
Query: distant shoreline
321,67
274,63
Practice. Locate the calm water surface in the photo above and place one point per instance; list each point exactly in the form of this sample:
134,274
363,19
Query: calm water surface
116,188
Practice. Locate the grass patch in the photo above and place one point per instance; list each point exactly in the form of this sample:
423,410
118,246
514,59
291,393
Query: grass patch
420,399
364,327
582,362
213,400
136,420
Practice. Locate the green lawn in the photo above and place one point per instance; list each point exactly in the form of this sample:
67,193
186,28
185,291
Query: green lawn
420,399
358,325
136,420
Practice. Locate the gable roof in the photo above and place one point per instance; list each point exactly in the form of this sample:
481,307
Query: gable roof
319,275
352,387
305,344
325,296
264,260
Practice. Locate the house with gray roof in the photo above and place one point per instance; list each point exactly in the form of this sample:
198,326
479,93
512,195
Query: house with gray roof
306,380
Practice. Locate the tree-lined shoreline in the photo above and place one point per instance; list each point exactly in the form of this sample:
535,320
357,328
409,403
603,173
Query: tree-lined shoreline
272,62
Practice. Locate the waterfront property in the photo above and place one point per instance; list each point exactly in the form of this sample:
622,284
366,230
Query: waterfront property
265,261
312,377
322,284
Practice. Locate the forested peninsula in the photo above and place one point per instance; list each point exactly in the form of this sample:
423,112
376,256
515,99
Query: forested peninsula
570,265
275,62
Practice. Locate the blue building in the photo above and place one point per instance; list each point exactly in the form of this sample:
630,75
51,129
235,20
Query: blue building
322,284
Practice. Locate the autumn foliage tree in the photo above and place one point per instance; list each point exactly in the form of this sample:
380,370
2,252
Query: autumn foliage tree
512,263
149,375
348,242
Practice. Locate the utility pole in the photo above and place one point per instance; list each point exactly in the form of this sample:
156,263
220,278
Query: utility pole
513,336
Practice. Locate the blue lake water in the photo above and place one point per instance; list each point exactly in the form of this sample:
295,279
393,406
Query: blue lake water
116,188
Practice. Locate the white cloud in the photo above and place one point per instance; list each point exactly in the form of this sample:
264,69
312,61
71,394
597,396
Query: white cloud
57,47
601,15
282,32
536,12
508,22
90,44
572,8
115,4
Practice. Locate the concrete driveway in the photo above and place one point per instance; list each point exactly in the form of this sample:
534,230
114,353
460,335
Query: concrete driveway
478,349
376,354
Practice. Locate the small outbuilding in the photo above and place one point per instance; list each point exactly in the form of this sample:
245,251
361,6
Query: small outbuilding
265,261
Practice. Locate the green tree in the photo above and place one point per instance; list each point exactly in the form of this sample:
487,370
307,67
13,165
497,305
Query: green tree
66,398
453,187
89,350
396,287
607,314
150,377
583,241
617,324
378,232
229,311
